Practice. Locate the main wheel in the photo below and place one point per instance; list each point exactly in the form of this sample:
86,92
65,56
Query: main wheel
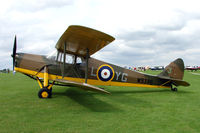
44,93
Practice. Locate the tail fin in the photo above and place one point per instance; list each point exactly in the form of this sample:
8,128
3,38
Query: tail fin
174,70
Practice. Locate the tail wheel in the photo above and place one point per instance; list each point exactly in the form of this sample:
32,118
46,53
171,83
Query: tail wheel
44,93
174,89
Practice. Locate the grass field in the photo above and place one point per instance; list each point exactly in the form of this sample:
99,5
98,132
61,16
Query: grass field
71,110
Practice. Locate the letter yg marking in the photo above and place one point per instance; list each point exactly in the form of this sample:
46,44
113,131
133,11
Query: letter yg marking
124,79
117,75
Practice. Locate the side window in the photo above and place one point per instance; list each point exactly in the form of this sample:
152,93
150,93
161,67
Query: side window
60,57
69,59
79,60
57,57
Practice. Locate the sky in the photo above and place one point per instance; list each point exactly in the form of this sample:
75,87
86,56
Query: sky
147,32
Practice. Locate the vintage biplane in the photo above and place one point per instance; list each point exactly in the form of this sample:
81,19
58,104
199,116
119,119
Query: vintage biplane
72,65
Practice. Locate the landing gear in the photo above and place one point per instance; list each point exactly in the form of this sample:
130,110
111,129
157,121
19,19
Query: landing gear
45,93
45,87
173,88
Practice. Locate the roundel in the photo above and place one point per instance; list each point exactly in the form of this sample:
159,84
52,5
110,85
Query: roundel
105,73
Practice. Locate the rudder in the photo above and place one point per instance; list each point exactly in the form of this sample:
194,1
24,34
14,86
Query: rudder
174,70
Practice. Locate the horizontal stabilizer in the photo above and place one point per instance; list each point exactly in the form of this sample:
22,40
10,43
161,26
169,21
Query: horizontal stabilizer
83,86
176,82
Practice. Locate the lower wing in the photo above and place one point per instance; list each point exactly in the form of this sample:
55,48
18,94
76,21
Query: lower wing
83,86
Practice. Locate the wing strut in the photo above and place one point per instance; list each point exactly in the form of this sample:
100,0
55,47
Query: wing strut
86,68
63,72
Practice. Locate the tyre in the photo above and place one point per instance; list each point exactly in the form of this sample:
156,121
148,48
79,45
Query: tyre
44,93
175,89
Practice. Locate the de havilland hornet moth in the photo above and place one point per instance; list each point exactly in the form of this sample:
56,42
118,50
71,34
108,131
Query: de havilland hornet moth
72,65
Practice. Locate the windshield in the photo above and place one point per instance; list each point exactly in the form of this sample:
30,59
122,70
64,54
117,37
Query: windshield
52,55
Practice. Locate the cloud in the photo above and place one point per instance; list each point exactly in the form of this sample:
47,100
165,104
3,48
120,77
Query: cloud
147,32
38,5
158,44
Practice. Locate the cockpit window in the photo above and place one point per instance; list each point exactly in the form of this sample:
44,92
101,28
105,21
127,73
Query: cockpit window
69,59
59,57
79,60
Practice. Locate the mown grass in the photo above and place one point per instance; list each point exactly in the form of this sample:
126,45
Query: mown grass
127,109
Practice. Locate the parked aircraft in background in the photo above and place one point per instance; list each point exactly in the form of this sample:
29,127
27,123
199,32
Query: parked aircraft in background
194,68
5,71
157,68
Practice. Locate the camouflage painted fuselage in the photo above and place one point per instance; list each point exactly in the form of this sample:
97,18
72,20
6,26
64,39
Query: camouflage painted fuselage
33,65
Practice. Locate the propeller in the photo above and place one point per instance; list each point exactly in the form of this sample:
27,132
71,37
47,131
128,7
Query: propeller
14,51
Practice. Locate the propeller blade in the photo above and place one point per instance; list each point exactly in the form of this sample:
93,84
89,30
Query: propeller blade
14,51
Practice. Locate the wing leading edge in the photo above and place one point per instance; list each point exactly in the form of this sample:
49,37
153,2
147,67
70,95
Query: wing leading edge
83,86
79,38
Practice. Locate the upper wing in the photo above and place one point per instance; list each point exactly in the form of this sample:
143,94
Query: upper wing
78,39
81,85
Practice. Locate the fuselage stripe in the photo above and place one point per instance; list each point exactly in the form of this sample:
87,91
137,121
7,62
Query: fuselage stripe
90,81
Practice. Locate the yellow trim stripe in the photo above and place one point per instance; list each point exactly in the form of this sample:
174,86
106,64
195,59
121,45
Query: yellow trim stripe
90,81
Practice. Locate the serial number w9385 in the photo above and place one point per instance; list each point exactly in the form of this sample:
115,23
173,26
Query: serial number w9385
145,81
